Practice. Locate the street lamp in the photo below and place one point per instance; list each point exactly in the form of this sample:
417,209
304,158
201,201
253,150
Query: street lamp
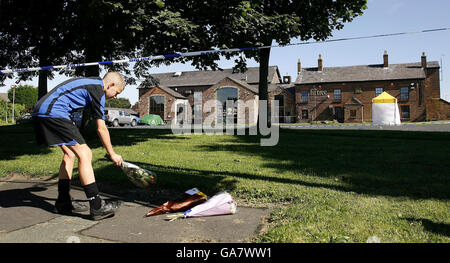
13,87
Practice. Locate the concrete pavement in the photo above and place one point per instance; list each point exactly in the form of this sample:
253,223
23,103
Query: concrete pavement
26,216
443,126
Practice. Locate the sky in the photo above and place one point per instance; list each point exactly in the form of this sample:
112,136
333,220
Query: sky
381,17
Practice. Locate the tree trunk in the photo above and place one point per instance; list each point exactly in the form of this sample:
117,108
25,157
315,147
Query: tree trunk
42,90
42,86
264,56
92,55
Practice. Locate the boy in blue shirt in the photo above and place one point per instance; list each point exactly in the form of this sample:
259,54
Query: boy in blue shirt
54,127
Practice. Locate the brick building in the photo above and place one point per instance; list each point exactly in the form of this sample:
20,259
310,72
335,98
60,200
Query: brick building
345,93
174,92
318,94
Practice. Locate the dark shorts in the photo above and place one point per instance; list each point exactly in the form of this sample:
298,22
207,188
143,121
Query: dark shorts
56,131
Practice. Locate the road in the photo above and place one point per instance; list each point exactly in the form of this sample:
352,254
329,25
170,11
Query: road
443,126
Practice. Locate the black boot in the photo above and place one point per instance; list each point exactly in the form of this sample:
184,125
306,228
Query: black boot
64,204
69,207
107,209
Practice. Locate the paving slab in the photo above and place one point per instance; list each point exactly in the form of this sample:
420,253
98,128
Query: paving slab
62,229
27,216
26,203
130,225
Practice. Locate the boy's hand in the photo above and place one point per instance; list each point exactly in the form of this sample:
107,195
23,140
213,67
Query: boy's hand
117,159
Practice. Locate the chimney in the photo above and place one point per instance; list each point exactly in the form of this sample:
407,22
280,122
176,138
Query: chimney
320,63
424,61
299,66
385,59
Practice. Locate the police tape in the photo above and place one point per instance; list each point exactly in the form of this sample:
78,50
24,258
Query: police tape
132,60
206,52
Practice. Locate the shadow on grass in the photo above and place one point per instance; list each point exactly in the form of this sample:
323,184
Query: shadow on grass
390,163
112,181
430,226
18,140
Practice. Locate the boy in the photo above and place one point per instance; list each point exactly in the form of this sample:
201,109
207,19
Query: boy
54,127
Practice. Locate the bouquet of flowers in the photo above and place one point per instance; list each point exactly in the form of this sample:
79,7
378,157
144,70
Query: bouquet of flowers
138,176
220,204
189,199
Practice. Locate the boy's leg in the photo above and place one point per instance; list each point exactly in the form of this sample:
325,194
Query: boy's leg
66,168
84,154
64,202
99,209
87,178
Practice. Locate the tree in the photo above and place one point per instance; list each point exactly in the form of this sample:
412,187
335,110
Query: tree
122,103
42,33
24,94
260,22
257,23
34,33
6,111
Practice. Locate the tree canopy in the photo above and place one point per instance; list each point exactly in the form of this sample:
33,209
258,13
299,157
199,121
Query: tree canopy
257,23
24,94
122,103
47,32
41,33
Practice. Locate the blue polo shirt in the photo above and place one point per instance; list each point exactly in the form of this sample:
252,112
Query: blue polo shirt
71,96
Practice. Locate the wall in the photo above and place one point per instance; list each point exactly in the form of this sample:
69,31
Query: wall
325,108
289,104
144,101
243,94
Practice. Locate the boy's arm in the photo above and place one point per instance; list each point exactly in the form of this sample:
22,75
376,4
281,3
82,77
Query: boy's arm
103,133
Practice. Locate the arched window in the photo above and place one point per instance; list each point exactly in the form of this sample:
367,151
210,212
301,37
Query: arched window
157,104
228,97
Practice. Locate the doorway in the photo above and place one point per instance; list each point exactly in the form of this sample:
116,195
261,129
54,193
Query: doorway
339,114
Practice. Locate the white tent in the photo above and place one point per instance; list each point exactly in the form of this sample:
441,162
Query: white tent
385,110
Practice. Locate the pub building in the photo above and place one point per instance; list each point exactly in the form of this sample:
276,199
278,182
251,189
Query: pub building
345,94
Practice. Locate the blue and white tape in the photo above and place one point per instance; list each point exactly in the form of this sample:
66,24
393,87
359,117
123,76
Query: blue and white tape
201,53
131,60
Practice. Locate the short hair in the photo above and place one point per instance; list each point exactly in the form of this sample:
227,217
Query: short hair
115,77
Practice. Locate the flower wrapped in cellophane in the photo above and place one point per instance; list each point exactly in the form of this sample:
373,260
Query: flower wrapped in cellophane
189,199
138,176
220,204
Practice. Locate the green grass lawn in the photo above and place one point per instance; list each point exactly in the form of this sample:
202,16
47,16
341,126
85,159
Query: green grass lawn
322,185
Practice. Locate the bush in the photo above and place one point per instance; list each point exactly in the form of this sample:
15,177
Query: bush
6,111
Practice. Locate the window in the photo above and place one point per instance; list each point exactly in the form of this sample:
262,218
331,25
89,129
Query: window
337,95
353,114
228,97
378,91
157,105
358,90
197,108
404,93
280,99
304,114
304,98
405,112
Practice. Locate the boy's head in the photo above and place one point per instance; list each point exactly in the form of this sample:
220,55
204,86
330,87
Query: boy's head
113,84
